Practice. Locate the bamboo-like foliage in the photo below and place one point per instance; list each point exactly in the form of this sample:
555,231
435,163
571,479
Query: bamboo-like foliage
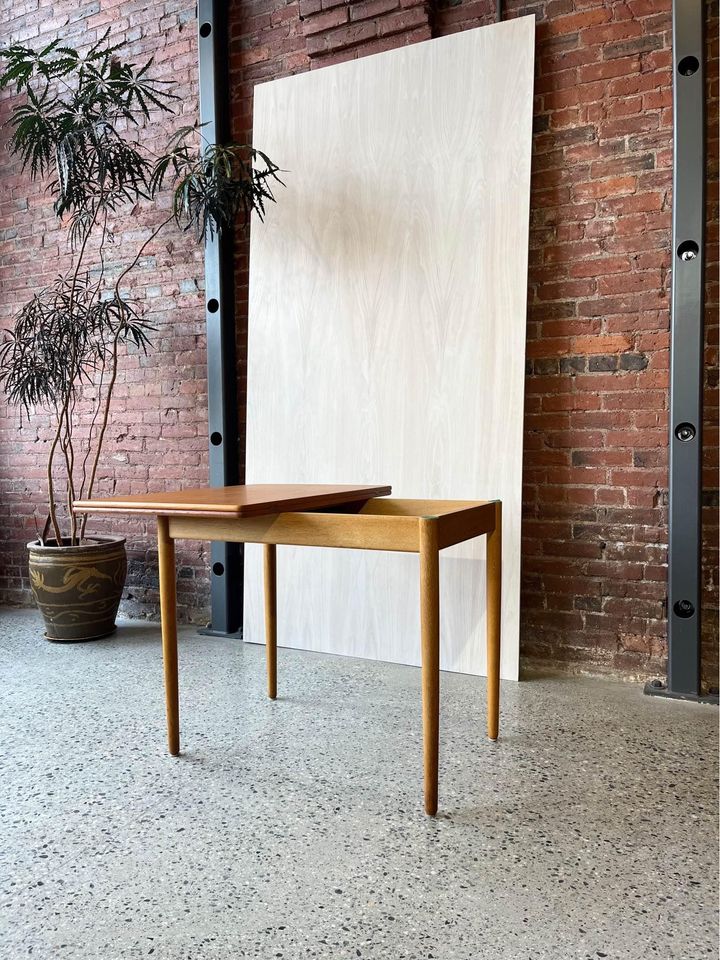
79,123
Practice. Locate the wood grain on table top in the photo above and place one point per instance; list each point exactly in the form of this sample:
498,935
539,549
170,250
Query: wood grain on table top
253,500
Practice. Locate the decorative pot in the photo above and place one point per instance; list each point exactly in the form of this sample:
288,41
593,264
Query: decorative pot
78,589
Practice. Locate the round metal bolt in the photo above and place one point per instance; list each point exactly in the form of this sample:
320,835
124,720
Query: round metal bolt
684,609
688,66
685,432
688,250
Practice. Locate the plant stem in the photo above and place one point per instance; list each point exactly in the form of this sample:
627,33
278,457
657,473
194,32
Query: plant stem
114,368
70,464
96,412
51,489
103,427
65,413
140,252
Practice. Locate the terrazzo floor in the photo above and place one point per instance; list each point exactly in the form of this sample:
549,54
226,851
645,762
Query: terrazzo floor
295,829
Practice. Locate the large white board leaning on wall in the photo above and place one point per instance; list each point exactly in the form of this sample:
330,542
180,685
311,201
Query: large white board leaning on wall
387,327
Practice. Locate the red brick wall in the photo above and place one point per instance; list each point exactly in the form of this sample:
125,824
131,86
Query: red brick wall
596,411
158,429
595,501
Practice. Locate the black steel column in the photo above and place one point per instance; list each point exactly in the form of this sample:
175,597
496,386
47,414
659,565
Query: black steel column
226,573
686,361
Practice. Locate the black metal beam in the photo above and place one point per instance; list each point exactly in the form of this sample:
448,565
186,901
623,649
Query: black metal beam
686,359
226,559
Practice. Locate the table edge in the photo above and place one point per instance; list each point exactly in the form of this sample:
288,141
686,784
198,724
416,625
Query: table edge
293,505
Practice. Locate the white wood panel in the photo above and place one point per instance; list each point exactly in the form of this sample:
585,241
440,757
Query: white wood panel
387,326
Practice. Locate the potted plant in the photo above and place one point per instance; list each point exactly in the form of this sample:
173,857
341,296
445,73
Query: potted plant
78,125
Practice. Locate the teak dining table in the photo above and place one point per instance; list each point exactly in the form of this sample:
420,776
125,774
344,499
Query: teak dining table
355,517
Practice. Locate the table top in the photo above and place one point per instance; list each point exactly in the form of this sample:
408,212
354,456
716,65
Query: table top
253,500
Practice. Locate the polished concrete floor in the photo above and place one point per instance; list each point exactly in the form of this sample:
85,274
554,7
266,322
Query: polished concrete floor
295,829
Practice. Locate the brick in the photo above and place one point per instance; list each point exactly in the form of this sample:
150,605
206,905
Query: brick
599,266
602,362
406,20
627,67
610,187
372,8
604,34
321,22
341,38
578,21
626,48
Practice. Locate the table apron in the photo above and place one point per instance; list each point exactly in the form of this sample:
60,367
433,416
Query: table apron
358,531
354,531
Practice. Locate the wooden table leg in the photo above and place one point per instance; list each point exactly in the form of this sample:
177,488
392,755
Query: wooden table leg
493,593
168,616
270,565
430,631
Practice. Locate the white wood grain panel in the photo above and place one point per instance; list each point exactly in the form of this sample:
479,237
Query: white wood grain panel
387,326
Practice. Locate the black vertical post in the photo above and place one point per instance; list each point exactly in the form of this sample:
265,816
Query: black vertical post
686,347
226,585
686,359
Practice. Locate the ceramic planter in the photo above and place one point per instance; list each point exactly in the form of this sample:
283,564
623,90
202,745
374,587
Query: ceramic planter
78,589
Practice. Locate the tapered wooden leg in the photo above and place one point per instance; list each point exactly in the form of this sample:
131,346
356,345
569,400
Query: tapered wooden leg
269,554
168,616
493,594
430,631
